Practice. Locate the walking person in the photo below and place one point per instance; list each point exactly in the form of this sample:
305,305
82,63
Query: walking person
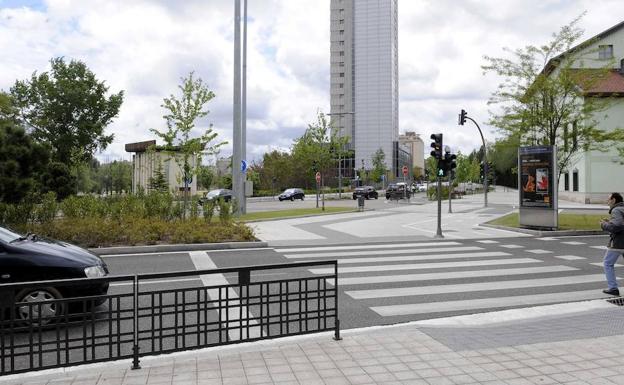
615,248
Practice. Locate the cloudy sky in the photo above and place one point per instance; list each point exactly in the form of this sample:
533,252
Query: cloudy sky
144,47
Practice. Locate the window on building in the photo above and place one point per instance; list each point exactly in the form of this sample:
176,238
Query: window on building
341,21
341,64
342,32
341,42
575,182
574,136
341,53
341,85
342,74
605,52
566,181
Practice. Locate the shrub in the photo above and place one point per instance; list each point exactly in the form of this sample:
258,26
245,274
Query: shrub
208,209
225,211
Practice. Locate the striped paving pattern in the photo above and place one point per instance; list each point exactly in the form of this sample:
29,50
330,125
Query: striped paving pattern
420,278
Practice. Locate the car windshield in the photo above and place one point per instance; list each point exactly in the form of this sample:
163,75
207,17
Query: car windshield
213,193
7,235
289,191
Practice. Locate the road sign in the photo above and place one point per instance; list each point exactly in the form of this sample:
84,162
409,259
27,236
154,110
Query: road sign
405,170
243,165
318,177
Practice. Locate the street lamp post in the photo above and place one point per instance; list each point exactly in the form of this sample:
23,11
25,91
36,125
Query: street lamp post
340,155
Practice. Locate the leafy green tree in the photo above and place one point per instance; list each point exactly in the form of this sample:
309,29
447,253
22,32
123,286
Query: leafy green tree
205,177
22,162
180,117
121,172
278,166
467,168
545,97
431,165
60,179
379,165
317,149
67,108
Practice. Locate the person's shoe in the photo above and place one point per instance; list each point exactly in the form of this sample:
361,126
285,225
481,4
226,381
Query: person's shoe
611,291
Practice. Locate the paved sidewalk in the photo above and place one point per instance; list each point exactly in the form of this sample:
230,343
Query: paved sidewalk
579,343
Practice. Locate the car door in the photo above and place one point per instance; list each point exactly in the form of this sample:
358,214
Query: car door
13,266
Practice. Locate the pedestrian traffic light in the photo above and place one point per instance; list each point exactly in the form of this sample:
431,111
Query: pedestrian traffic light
437,146
462,117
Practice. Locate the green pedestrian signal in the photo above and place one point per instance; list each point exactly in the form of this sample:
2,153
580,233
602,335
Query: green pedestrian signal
440,172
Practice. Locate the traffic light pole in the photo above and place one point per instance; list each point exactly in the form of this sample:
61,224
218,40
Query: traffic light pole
449,190
439,194
485,163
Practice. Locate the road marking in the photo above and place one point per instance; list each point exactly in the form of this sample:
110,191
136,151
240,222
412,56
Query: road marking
539,251
202,261
569,257
546,239
487,241
452,275
470,287
512,246
155,282
598,264
417,266
423,257
140,254
599,247
474,304
365,247
574,243
377,252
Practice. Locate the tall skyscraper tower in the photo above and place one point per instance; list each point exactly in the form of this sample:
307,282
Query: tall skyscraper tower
364,77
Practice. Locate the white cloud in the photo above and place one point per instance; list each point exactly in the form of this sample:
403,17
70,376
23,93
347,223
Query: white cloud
144,47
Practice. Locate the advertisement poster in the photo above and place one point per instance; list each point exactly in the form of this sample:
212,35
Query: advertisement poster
536,170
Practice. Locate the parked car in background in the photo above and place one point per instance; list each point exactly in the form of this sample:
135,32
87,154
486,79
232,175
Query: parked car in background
398,191
25,258
213,195
419,187
291,194
368,192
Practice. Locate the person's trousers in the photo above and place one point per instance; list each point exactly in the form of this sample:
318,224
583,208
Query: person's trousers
610,258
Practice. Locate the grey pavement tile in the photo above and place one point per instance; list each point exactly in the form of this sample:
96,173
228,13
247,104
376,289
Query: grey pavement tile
461,379
388,360
439,381
259,379
563,377
505,374
427,373
252,371
209,381
110,381
396,367
282,377
492,367
518,381
230,373
325,373
438,363
308,375
406,375
234,380
301,367
354,371
382,377
374,369
587,365
618,380
450,371
346,364
418,365
415,381
360,379
526,372
203,374
547,369
321,365
542,380
256,363
279,369
512,365
336,381
134,380
483,376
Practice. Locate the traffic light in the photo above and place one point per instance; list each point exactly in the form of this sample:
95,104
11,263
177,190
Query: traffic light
437,146
450,163
462,117
481,170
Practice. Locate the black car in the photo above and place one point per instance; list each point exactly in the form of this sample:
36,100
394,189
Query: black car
33,258
398,191
291,194
213,195
367,192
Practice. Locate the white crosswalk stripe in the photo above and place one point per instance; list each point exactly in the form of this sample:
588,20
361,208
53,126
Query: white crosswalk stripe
385,252
408,278
467,287
416,266
574,243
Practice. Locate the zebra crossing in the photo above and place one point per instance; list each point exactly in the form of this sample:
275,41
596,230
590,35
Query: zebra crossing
412,279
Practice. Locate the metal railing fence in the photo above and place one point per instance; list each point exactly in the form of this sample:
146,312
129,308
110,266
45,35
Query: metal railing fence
139,317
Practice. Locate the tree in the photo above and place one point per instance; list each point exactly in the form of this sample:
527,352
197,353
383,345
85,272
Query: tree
545,98
277,171
181,116
157,182
379,165
67,108
318,148
467,168
22,162
205,177
121,173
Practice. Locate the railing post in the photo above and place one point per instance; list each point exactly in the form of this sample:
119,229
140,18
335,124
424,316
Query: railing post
135,348
337,321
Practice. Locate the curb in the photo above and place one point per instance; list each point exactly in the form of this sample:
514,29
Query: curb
180,247
551,233
305,216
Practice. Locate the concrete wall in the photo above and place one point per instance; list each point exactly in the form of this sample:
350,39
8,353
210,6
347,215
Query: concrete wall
146,163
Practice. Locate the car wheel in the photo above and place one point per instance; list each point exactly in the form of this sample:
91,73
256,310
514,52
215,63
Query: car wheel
292,199
302,197
376,196
41,314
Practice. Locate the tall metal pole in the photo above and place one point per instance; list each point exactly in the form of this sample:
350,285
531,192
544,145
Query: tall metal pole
439,193
243,204
236,135
450,189
485,164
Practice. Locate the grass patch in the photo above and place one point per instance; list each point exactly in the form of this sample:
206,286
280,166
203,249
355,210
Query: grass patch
294,213
566,221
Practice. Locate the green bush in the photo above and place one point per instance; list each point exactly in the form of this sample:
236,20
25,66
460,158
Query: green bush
208,210
225,211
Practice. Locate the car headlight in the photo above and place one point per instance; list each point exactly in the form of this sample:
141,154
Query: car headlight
94,271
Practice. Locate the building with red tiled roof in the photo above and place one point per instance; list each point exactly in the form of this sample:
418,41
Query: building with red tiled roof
599,62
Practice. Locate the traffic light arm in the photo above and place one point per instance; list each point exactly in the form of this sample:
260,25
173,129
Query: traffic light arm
485,162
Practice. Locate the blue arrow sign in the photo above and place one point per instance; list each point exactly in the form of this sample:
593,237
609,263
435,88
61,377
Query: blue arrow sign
243,165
